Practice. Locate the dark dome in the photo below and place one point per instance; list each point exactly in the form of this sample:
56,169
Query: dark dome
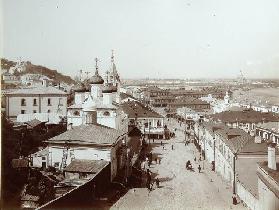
80,87
96,79
107,89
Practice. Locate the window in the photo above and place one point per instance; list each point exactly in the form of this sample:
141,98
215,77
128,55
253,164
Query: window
23,102
60,102
146,125
106,113
56,164
43,158
22,112
82,175
34,102
34,111
48,102
48,111
76,113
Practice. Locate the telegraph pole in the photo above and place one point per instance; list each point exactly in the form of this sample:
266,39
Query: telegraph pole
185,123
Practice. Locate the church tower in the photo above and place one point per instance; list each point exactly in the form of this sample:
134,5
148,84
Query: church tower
96,82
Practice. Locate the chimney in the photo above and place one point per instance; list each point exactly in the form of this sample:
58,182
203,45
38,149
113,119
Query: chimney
272,156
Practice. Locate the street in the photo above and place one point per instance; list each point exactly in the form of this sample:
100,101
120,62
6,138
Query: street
180,188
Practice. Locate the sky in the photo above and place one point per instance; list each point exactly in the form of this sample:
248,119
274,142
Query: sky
151,38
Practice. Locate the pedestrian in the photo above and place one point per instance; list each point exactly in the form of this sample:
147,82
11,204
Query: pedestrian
234,199
155,160
159,160
161,143
199,168
172,146
157,182
195,159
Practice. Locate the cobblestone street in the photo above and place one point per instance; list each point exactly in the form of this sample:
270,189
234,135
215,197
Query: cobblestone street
180,188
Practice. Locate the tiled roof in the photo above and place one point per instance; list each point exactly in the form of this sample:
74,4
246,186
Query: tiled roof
245,116
37,90
255,148
88,134
125,95
246,169
86,166
234,138
135,109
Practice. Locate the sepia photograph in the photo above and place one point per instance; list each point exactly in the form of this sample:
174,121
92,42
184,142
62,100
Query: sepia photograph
139,104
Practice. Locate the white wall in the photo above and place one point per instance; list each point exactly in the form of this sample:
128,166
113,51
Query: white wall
247,197
267,199
15,105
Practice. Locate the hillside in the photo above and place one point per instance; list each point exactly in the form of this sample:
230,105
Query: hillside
37,69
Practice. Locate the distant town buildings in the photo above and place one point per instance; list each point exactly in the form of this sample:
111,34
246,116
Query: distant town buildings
246,119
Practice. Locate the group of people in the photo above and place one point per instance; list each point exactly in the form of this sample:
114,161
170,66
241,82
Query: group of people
190,167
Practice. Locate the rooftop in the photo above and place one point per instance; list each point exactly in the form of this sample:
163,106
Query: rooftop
86,166
125,95
246,170
33,123
273,174
137,110
244,116
37,90
88,134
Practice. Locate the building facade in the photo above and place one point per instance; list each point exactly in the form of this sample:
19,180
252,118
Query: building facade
45,99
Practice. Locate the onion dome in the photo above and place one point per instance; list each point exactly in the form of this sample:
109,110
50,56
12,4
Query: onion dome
96,79
108,88
80,87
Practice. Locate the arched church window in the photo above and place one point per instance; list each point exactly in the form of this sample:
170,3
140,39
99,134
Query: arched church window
106,113
76,113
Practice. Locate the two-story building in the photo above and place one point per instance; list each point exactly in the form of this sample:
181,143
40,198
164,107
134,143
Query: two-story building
44,99
147,120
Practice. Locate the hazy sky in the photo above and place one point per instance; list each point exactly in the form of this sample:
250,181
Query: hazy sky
151,38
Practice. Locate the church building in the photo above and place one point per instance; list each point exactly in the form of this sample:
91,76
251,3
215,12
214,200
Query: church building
102,96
